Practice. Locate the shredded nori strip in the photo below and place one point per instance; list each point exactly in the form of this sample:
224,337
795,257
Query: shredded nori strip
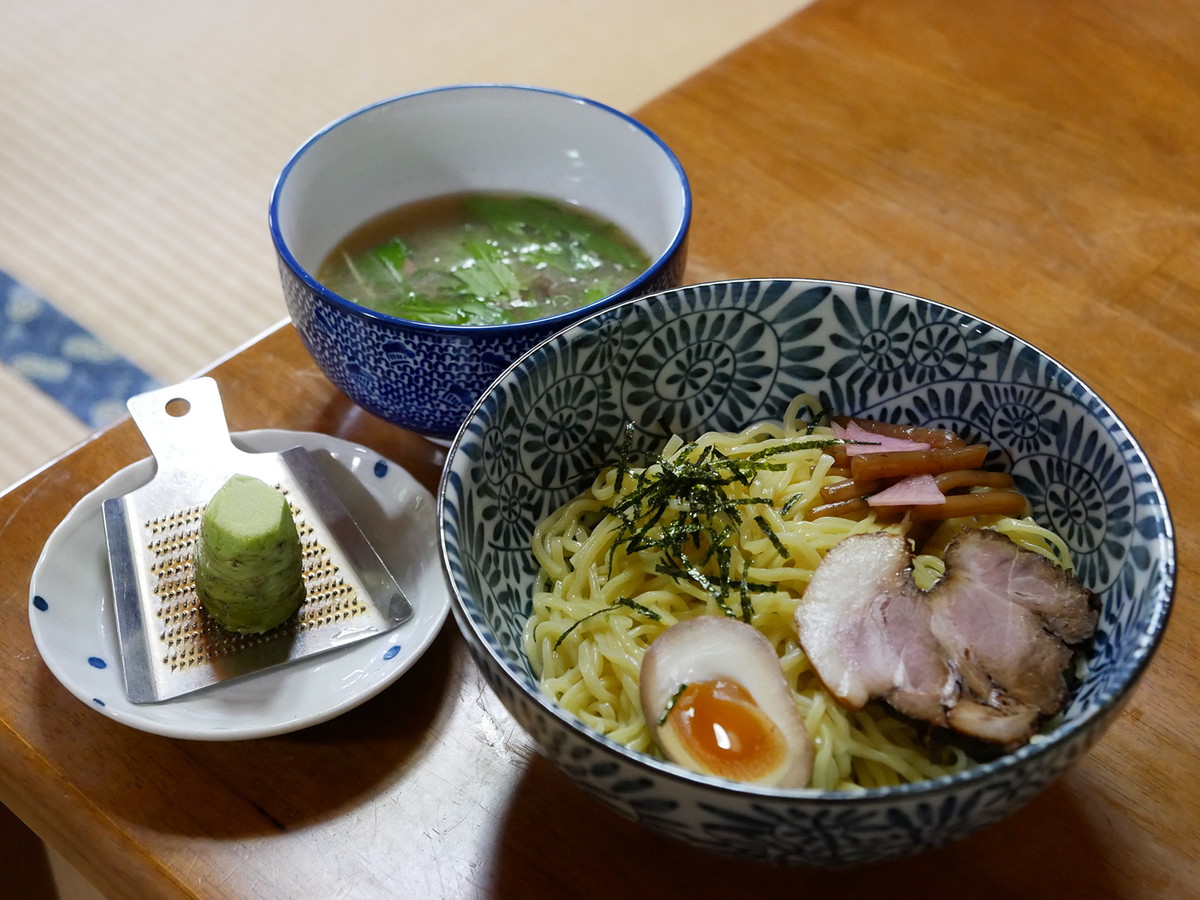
622,602
671,703
680,508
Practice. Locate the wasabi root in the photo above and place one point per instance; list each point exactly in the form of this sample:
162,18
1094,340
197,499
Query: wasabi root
248,557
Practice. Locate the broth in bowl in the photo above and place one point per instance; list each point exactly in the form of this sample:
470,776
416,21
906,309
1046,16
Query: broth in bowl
482,258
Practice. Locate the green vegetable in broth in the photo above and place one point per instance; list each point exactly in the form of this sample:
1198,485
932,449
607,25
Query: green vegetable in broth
482,259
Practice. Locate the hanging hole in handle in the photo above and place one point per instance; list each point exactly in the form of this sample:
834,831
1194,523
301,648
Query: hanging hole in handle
178,408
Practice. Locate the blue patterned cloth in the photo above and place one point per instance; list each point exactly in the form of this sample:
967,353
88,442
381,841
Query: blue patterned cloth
63,359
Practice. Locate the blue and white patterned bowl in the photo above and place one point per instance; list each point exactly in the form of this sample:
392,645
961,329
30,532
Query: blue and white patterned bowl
481,137
720,356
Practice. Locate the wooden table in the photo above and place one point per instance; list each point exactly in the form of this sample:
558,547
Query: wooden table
1034,163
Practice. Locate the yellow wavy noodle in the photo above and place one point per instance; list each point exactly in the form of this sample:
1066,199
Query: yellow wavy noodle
593,672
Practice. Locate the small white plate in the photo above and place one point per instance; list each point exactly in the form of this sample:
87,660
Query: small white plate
74,625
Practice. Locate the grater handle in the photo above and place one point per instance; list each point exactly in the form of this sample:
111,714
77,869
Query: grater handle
183,423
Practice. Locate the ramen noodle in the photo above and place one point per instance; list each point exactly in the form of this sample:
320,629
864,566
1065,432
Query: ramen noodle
606,591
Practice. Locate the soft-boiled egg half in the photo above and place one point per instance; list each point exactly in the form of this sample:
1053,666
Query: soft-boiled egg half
717,703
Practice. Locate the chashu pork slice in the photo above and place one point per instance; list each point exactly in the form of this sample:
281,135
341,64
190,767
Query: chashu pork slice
866,629
1007,618
983,651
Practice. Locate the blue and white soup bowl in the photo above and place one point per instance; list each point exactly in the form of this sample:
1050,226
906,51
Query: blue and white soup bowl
450,140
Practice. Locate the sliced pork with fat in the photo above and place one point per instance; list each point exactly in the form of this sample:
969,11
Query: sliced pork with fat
1003,615
982,652
866,629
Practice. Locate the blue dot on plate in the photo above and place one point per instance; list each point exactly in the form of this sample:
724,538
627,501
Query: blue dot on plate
381,468
98,701
97,663
390,652
40,603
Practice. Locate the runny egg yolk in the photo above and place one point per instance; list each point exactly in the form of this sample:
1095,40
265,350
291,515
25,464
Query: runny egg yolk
722,727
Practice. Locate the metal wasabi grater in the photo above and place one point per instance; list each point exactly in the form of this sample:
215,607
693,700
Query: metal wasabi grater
169,644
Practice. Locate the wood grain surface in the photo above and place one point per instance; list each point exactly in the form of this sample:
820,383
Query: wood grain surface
1033,163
